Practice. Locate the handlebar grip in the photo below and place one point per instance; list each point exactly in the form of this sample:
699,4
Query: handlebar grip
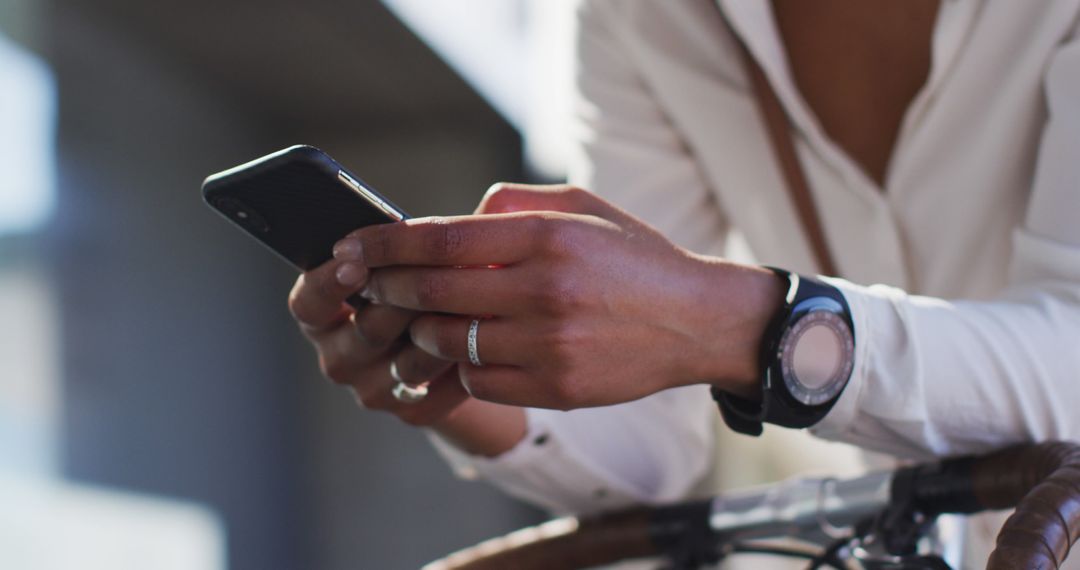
1043,482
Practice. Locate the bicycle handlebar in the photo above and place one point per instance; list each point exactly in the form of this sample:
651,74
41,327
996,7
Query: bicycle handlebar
561,543
1041,480
1043,483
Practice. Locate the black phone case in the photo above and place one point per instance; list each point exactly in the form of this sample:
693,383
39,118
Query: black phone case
298,202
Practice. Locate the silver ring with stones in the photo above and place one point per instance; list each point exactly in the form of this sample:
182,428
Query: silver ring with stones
474,355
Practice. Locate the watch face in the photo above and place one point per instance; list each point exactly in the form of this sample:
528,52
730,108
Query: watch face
817,354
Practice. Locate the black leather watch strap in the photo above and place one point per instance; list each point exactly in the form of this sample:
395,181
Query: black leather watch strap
740,414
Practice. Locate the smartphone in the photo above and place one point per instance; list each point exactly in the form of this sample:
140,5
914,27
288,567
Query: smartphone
298,202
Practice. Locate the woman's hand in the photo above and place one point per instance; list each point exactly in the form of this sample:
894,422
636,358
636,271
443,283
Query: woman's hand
580,303
357,347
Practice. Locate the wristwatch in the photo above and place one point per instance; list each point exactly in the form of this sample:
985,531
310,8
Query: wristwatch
807,354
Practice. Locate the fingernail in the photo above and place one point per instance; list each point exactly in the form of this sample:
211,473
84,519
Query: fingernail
367,294
350,249
350,274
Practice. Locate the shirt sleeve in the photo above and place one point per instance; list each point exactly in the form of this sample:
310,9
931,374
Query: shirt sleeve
658,448
935,376
653,450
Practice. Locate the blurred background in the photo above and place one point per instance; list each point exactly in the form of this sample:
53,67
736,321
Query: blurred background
158,408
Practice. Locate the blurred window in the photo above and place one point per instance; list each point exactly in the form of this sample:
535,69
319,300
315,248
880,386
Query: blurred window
27,154
29,381
47,523
54,525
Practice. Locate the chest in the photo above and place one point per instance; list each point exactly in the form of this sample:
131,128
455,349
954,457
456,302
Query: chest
858,65
957,183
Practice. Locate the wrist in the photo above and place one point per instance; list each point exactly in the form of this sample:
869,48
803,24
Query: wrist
739,303
483,428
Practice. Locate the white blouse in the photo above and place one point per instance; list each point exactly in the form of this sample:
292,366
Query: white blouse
963,272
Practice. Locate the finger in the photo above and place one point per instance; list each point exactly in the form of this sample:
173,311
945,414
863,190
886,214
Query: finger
317,300
445,393
504,197
499,239
349,251
459,290
342,358
504,385
447,337
377,326
414,366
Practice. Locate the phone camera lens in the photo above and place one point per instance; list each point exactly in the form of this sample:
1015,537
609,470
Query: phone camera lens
258,223
242,214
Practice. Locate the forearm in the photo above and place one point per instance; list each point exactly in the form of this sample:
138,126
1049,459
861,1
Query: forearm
936,377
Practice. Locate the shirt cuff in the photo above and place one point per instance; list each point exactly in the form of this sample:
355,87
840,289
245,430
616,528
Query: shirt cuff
541,470
838,423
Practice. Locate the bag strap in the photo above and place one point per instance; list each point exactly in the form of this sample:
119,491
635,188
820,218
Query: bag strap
778,126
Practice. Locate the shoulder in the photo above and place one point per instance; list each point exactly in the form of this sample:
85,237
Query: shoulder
650,17
663,36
